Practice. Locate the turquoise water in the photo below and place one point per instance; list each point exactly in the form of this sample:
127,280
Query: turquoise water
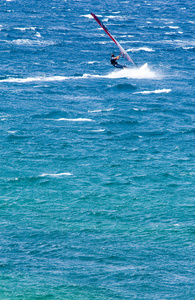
97,164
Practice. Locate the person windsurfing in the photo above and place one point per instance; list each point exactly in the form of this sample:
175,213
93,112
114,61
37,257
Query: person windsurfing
123,52
114,62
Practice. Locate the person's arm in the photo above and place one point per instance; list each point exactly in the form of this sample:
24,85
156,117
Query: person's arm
117,57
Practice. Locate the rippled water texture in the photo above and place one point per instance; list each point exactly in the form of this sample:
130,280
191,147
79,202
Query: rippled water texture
97,164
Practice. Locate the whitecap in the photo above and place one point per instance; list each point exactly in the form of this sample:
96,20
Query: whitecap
89,16
98,130
187,48
25,28
55,175
138,73
124,36
146,49
101,110
29,42
143,72
154,92
12,132
170,33
38,34
114,17
173,27
21,28
95,111
75,120
34,79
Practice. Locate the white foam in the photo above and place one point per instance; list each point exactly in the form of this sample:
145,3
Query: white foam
25,28
34,79
143,72
128,35
32,42
100,110
138,73
38,34
98,130
12,132
76,120
154,92
146,49
170,33
173,27
89,16
187,48
55,175
95,111
21,28
114,17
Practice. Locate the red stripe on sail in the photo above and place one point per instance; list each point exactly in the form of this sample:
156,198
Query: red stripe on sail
123,52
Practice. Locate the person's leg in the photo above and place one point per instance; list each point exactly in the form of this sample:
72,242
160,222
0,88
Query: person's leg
119,66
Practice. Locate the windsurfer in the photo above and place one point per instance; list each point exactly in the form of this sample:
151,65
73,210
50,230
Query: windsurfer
114,62
123,52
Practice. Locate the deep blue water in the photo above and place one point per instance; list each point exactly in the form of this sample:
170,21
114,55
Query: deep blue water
97,165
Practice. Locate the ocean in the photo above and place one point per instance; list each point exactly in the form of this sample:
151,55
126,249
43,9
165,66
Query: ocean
97,164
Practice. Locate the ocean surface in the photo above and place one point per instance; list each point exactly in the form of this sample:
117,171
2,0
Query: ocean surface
97,169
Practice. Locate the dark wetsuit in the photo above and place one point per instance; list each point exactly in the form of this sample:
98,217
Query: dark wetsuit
115,64
113,61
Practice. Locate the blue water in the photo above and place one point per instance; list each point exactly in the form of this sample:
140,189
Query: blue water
97,164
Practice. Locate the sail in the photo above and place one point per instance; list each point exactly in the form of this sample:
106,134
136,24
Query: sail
123,52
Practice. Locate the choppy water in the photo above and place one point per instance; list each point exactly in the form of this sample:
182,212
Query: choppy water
97,165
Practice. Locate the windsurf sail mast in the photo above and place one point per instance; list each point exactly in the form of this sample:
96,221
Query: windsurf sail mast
123,52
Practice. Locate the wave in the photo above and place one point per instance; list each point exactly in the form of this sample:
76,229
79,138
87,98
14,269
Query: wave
34,79
143,72
25,28
188,48
75,120
32,42
55,175
101,110
115,17
89,16
98,130
173,27
154,92
125,87
146,49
